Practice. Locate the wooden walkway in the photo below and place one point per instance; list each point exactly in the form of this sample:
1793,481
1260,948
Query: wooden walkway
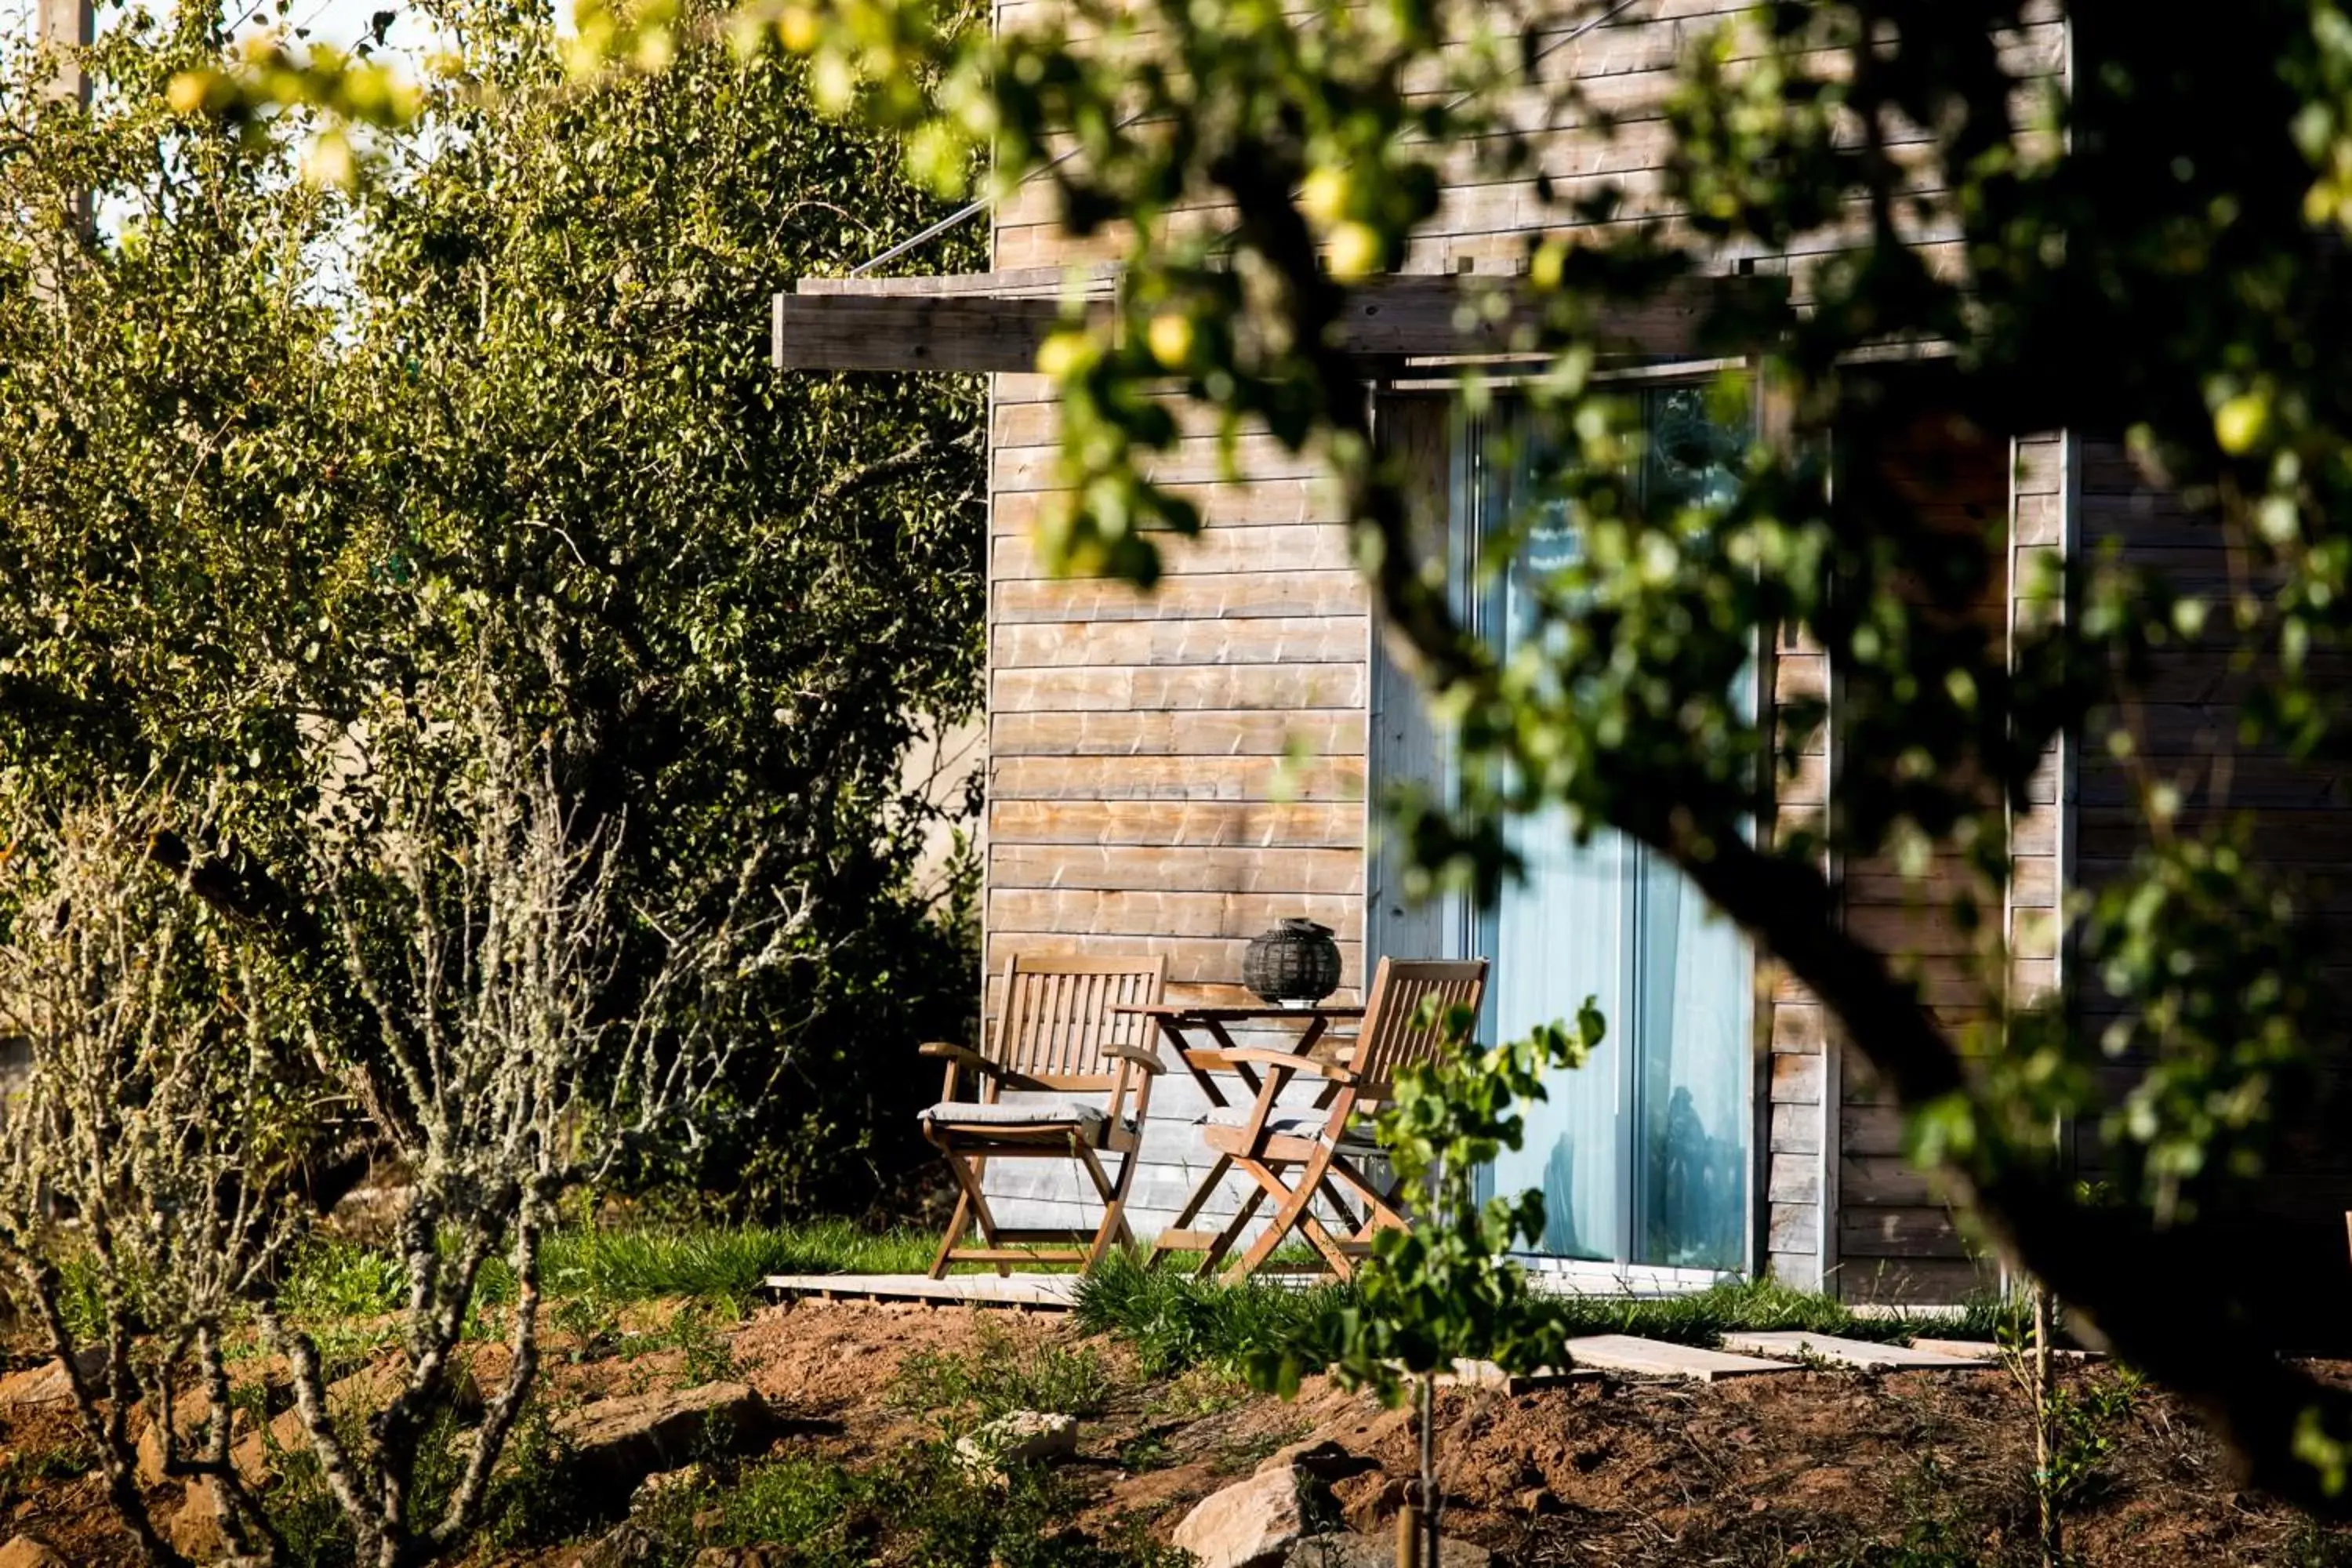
1052,1292
1744,1355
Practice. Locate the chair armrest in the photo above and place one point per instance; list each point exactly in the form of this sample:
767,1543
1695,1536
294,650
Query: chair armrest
1291,1061
1142,1058
962,1055
1207,1059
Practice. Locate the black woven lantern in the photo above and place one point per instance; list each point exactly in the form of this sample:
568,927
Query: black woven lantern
1296,963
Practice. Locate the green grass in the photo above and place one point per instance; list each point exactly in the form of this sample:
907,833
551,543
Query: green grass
715,1263
1703,1316
339,1279
918,1506
1174,1322
344,1279
998,1376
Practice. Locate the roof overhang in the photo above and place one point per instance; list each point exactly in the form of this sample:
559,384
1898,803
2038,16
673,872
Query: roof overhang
995,321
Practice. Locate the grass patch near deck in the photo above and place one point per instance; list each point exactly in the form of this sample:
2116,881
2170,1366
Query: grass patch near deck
1703,1316
717,1263
1173,1322
335,1279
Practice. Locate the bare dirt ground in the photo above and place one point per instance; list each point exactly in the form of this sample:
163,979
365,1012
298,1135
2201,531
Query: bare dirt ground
1809,1466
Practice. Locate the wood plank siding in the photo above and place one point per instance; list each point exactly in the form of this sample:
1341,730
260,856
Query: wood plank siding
1170,772
2284,1233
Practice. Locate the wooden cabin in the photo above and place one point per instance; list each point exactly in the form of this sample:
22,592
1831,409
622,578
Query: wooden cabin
1174,772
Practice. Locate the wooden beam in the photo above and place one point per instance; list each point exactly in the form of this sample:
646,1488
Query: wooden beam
996,322
898,331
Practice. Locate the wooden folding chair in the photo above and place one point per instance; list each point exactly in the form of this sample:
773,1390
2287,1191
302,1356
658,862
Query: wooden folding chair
1058,1037
1295,1154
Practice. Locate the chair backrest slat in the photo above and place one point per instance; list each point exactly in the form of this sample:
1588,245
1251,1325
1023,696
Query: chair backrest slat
1392,1036
1055,1016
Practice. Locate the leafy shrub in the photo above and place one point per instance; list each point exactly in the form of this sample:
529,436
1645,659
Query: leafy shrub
343,1279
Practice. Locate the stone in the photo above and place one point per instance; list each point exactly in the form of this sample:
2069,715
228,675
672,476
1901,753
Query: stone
47,1383
1377,1552
372,1214
362,1392
620,1441
31,1552
1023,1437
661,1483
626,1546
741,1557
251,1454
195,1530
190,1411
1326,1460
1249,1525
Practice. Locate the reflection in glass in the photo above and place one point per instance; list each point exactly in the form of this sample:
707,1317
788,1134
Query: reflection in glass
1641,1155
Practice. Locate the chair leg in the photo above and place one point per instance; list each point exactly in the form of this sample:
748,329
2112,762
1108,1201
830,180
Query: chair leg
968,1176
1294,1200
1318,1236
1114,1197
957,1223
1332,1195
1381,1210
1232,1232
1202,1193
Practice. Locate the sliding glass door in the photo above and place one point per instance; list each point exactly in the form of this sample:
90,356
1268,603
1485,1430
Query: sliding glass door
1643,1155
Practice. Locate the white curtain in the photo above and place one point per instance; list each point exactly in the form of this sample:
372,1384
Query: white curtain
1641,1155
1691,1172
1560,937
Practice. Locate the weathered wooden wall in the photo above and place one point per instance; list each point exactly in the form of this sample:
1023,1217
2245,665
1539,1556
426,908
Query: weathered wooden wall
1170,772
2285,1231
1844,1211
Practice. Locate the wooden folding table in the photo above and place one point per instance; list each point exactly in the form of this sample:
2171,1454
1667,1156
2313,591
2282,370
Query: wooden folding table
1179,1024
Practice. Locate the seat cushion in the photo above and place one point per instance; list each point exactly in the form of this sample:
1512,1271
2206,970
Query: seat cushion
1007,1114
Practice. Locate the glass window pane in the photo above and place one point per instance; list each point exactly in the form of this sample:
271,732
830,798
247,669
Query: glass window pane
1691,1172
1641,1155
1560,936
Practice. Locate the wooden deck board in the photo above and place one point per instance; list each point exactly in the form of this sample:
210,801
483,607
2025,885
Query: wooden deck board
1054,1292
1627,1352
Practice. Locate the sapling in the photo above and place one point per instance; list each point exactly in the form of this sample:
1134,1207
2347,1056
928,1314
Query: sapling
178,1083
150,1149
482,924
1446,1290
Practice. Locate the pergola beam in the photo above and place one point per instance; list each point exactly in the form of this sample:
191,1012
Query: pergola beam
995,321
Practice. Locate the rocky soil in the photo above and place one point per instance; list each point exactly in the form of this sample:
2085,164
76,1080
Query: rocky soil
1908,1470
